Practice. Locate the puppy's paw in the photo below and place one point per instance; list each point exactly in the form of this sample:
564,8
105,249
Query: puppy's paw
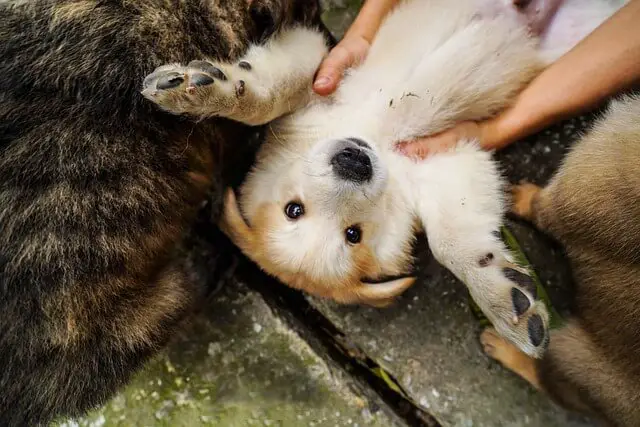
509,356
530,317
200,89
508,296
522,199
494,346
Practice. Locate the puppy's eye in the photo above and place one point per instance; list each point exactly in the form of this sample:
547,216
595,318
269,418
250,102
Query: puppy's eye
353,234
294,210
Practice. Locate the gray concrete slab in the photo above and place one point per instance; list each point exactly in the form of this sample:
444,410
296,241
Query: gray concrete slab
238,364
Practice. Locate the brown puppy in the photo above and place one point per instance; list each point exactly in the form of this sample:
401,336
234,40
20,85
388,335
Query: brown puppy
100,189
592,206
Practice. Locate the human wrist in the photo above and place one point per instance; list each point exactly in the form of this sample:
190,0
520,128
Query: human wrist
530,113
500,131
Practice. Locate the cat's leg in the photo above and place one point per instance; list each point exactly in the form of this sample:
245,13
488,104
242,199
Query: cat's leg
269,81
461,204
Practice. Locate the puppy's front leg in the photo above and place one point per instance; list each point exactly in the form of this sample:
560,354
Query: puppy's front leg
269,81
461,204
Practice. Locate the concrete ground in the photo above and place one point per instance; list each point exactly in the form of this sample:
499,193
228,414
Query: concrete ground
240,364
264,355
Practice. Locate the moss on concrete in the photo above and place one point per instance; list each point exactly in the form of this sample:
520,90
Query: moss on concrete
238,365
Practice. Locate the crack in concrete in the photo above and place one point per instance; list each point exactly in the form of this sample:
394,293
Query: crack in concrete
318,330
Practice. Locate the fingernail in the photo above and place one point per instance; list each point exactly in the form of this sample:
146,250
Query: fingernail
322,81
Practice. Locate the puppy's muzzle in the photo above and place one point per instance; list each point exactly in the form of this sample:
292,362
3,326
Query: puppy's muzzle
352,162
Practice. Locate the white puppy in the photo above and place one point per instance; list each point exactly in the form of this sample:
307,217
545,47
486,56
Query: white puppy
330,206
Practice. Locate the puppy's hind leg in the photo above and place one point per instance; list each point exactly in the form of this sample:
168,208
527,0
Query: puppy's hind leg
574,372
473,74
533,203
509,356
271,80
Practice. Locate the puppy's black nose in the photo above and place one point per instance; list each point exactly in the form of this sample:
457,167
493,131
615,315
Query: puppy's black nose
352,164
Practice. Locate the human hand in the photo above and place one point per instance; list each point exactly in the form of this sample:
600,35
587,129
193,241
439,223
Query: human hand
421,148
350,52
354,46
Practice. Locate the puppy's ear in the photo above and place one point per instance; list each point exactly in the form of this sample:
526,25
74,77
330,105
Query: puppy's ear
234,226
374,294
